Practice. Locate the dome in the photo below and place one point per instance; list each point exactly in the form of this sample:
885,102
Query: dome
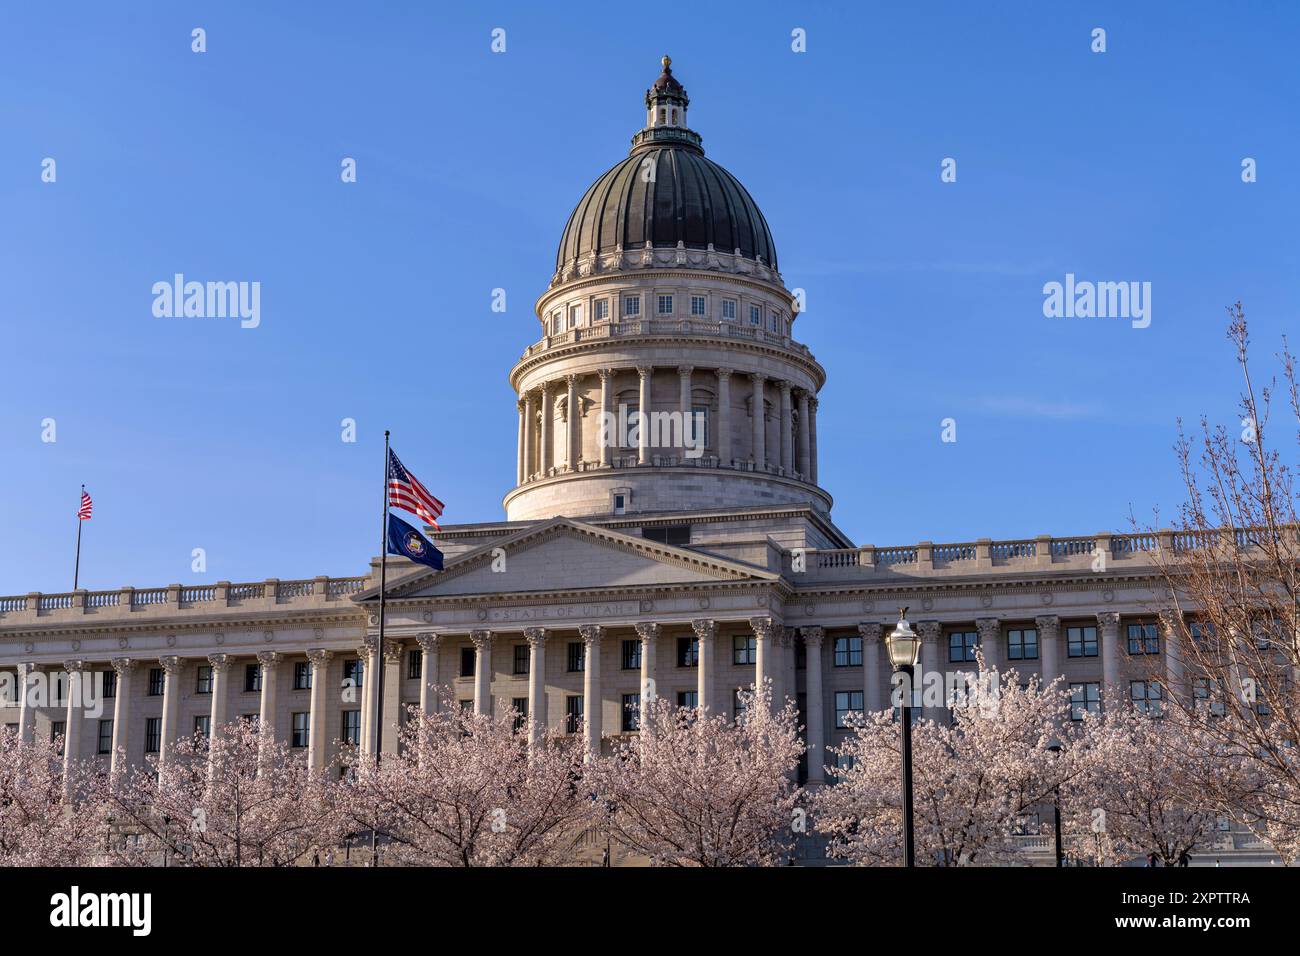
666,192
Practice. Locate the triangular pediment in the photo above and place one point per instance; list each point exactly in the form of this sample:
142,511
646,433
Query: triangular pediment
567,555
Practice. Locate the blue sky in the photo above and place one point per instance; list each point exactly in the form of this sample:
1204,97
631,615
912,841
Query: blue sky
924,298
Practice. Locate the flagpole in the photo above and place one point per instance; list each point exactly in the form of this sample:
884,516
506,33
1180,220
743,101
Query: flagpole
76,570
379,652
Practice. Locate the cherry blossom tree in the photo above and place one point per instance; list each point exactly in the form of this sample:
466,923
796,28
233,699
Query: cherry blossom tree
241,799
696,789
978,784
39,826
465,790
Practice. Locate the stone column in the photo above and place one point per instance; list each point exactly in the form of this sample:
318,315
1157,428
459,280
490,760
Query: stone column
1049,647
171,706
931,632
591,686
815,719
1169,621
606,435
317,742
536,637
684,400
573,422
704,633
1109,624
519,470
530,436
72,719
649,635
763,629
812,438
482,671
759,440
777,652
548,421
392,695
119,761
220,693
643,413
990,631
429,647
26,712
787,429
723,440
269,662
804,443
369,654
872,692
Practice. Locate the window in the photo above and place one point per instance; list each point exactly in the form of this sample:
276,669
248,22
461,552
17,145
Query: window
688,652
698,427
105,745
203,681
354,673
467,662
698,305
962,645
1143,639
729,309
575,316
631,305
1201,631
688,698
576,657
1022,644
602,310
1081,641
1146,697
252,678
351,727
521,659
520,707
847,702
572,713
1084,699
110,683
739,705
155,682
677,535
744,649
466,705
848,651
755,315
299,733
1209,695
203,726
631,712
665,305
58,730
152,734
302,675
620,504
631,655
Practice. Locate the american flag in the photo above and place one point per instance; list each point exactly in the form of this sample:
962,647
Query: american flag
406,492
86,506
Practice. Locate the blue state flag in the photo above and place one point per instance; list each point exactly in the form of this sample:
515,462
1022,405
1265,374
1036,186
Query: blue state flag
409,543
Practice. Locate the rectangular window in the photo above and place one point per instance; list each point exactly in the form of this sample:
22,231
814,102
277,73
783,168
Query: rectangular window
575,657
729,309
962,645
351,727
203,726
631,655
152,734
847,702
414,664
302,675
572,713
1022,644
739,705
1143,639
699,426
575,316
1145,696
1084,699
203,679
744,649
299,733
1081,641
105,744
665,305
521,659
688,698
1209,695
602,310
848,651
354,672
110,683
678,535
252,678
467,662
698,305
755,315
688,652
620,504
155,682
631,713
58,729
520,707
466,705
631,306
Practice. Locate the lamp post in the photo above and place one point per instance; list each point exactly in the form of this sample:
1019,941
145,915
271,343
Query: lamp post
1055,748
904,647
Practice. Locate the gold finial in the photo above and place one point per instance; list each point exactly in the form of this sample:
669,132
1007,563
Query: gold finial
667,61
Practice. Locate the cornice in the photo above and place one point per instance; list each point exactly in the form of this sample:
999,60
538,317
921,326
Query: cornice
342,615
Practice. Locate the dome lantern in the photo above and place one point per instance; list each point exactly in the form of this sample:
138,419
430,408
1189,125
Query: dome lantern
665,113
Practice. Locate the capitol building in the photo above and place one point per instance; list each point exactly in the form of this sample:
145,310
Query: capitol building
685,561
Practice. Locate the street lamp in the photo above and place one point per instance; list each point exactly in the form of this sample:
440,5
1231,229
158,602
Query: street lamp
904,647
1055,748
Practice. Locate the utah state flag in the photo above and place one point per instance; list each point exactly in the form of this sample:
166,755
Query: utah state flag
406,541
